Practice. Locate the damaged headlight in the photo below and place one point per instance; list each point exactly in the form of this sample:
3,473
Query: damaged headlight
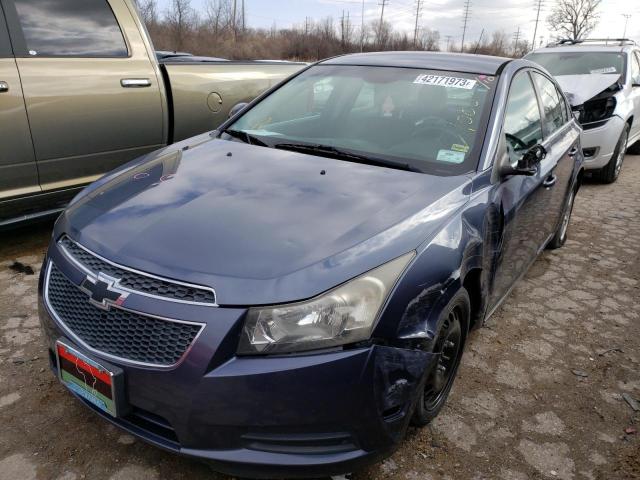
597,110
346,314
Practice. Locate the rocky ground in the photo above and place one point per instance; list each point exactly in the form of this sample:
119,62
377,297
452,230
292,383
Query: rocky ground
540,394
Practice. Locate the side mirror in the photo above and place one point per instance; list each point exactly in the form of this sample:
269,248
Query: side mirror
528,164
236,108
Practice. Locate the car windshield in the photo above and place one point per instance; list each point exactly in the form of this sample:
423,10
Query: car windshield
424,120
580,63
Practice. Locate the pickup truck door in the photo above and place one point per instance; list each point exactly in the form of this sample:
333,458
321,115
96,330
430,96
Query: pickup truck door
18,171
91,90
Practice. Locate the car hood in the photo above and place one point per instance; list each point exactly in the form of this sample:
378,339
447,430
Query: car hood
259,225
581,88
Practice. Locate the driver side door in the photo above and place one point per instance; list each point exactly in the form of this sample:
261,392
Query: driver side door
523,198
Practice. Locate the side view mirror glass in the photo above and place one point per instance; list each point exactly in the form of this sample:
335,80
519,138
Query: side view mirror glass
236,108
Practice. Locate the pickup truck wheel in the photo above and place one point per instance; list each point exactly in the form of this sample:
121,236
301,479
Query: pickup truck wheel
609,173
560,236
448,345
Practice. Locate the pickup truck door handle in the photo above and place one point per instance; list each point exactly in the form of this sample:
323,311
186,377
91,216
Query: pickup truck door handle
135,82
550,181
4,87
573,152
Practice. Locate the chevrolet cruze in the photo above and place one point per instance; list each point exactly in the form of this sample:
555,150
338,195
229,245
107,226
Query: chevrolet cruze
286,295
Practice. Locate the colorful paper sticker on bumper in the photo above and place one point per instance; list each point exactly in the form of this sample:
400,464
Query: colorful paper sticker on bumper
86,378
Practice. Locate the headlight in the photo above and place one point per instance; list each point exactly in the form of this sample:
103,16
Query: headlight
346,314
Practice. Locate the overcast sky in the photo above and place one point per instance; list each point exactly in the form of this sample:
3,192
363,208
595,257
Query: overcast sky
442,15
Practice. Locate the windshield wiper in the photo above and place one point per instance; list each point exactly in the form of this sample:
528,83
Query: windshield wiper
246,137
333,152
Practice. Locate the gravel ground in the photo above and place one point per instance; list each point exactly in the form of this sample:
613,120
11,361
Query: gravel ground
539,394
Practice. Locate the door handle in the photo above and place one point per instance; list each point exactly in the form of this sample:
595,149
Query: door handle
135,82
4,87
550,181
573,152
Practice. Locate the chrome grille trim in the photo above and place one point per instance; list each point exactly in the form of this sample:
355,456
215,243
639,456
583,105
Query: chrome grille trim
88,271
107,356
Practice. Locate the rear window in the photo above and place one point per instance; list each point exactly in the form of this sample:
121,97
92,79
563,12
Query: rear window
580,63
70,28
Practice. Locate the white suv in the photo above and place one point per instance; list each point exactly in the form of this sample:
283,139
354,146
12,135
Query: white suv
601,79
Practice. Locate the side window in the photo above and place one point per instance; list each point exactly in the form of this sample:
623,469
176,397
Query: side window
70,28
552,104
635,69
522,123
566,108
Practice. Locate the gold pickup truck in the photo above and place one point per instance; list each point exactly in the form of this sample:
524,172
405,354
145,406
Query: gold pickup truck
82,91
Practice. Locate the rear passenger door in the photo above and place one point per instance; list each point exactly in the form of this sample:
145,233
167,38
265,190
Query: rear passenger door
18,172
76,62
561,141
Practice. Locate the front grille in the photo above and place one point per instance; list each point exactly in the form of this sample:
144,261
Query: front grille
137,281
117,332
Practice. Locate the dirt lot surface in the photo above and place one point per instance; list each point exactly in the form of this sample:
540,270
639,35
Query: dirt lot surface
539,394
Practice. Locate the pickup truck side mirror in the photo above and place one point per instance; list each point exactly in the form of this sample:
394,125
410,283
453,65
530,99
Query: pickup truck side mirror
236,108
528,164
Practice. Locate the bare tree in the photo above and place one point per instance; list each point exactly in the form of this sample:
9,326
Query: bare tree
180,18
148,10
574,19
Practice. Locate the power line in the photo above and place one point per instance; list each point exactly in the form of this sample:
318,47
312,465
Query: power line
466,13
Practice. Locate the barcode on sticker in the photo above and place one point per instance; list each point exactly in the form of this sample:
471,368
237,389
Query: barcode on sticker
440,80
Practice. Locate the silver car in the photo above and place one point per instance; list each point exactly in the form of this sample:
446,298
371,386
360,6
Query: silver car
602,81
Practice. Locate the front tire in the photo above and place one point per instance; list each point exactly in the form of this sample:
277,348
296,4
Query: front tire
453,326
610,172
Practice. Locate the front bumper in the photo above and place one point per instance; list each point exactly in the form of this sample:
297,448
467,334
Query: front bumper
602,142
295,415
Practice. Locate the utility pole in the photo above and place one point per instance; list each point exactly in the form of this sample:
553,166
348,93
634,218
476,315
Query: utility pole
384,3
626,16
243,18
516,39
538,5
415,31
362,28
466,12
233,19
448,39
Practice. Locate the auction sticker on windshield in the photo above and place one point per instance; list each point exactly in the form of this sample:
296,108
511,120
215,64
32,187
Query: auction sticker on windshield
444,81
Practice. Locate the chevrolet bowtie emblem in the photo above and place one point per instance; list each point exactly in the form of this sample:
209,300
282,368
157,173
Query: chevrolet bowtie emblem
102,291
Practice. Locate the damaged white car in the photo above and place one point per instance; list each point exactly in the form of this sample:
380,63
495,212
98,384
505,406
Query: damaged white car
601,79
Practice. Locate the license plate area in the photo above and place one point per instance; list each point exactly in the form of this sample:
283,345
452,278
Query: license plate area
97,382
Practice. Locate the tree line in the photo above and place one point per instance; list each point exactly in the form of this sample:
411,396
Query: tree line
221,30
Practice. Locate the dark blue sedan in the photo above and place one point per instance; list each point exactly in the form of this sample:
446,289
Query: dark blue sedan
286,295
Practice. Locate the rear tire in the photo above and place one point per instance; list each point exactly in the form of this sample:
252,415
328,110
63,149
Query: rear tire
560,236
610,172
453,326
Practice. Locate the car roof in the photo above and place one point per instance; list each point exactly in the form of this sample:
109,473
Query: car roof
457,62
